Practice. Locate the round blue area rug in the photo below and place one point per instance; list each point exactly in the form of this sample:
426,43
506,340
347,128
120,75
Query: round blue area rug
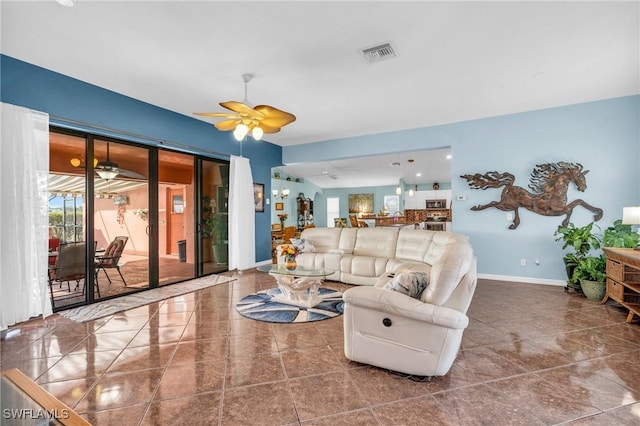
260,306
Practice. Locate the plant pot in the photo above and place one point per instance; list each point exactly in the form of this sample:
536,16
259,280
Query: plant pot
593,290
221,253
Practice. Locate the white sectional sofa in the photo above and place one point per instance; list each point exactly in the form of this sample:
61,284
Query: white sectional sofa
418,336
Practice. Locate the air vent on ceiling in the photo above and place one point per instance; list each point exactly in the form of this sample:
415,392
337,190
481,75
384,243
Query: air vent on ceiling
378,53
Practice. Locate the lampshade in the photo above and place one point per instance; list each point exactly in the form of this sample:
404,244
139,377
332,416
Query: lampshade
107,169
240,132
257,133
281,194
631,215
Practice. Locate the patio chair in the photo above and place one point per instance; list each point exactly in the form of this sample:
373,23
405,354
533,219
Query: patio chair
111,257
70,265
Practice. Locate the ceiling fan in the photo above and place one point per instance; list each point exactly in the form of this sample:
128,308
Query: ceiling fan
246,118
107,169
327,173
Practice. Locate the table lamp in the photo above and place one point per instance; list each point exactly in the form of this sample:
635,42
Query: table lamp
631,216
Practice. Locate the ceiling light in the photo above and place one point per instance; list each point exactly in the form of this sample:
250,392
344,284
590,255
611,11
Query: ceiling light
257,133
448,156
67,3
107,169
418,174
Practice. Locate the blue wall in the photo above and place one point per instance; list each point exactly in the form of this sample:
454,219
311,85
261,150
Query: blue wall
604,136
60,96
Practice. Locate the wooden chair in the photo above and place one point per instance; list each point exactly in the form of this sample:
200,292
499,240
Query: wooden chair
340,222
111,258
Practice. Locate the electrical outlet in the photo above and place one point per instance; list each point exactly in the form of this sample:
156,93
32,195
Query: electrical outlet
523,262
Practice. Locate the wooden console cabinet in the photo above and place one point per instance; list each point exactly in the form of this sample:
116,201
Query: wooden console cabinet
623,278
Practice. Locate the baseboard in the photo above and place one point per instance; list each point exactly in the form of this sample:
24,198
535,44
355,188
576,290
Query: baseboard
526,280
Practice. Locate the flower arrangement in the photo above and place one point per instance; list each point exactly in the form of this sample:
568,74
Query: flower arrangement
290,252
283,217
141,213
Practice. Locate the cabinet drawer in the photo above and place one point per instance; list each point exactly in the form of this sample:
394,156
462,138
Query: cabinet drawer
615,270
615,290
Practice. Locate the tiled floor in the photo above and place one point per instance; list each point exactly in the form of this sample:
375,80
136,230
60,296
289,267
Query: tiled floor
532,355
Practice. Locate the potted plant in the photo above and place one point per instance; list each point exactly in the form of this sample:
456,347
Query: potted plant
580,240
591,273
218,227
620,235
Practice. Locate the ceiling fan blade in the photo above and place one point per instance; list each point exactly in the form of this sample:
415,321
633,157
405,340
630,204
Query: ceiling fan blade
131,174
275,117
217,114
242,109
269,129
227,125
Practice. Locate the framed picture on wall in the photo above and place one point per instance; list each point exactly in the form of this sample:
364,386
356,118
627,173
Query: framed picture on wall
279,206
258,196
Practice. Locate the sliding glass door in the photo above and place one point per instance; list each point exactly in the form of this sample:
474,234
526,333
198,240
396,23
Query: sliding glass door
176,217
120,218
147,216
213,222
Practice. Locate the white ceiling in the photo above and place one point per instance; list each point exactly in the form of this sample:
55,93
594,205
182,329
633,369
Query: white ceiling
455,60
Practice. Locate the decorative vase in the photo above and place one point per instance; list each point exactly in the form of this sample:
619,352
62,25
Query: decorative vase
282,225
291,264
593,290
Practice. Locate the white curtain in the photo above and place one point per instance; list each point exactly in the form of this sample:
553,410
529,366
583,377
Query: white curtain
24,168
242,224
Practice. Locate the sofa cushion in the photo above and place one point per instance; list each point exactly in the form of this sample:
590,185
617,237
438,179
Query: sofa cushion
376,242
323,239
408,282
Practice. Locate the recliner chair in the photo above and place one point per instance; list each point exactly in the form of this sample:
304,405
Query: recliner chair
420,337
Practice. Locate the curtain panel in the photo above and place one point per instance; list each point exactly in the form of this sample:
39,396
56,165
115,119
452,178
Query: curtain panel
24,169
242,253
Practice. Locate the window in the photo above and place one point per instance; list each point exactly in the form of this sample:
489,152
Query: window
333,210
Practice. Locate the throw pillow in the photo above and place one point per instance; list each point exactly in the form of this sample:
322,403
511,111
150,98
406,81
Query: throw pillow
303,245
410,283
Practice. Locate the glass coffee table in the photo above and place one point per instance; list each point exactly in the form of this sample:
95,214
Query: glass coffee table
298,287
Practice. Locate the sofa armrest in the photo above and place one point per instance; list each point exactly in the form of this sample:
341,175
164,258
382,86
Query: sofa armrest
395,303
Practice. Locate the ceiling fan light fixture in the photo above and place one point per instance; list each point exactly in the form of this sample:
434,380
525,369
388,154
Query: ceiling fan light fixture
241,131
107,170
257,133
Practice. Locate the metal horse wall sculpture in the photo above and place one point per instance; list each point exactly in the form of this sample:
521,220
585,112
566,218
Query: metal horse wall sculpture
549,183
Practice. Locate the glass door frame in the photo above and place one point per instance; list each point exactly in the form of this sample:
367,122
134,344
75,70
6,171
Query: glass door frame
153,213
